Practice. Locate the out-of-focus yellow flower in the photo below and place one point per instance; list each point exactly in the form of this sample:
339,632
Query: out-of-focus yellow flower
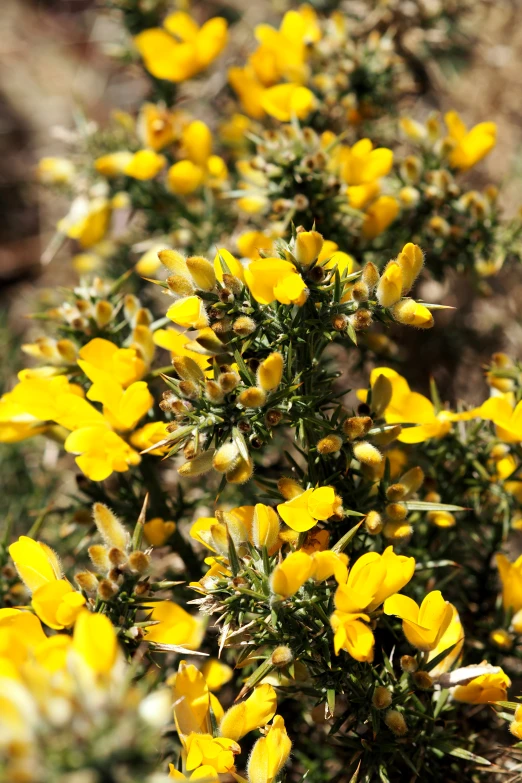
57,604
411,407
270,753
284,101
157,531
506,416
379,215
362,165
182,49
453,635
250,714
303,511
484,689
511,578
87,221
142,165
199,165
175,626
251,242
271,279
158,127
216,673
423,626
469,146
94,641
55,171
205,773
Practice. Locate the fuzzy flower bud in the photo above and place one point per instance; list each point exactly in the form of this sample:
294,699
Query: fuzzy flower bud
180,285
423,681
373,522
389,288
187,369
202,273
265,527
382,391
270,372
254,397
396,723
199,465
244,325
409,664
282,656
366,453
329,444
241,472
139,562
289,488
395,492
103,313
370,275
86,581
225,457
110,527
228,381
412,313
99,557
381,698
356,426
396,511
360,292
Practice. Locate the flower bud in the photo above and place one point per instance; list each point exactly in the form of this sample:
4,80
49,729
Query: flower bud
233,283
86,581
374,523
117,557
225,457
244,325
516,729
265,527
187,369
381,698
340,322
409,664
360,292
361,319
370,275
107,589
441,518
273,417
199,465
174,261
308,245
396,511
329,444
180,285
387,436
109,527
282,656
270,372
366,453
390,285
423,680
202,273
99,557
241,473
254,397
214,392
289,488
412,313
209,341
228,381
356,426
190,390
139,562
397,531
103,313
501,639
395,492
396,723
412,480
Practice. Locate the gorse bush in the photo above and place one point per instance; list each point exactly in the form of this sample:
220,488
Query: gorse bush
341,568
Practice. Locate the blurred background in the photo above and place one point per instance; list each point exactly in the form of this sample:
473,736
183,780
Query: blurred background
59,67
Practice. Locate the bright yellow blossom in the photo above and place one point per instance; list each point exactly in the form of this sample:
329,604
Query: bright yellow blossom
270,753
303,511
484,689
423,626
250,714
174,626
469,146
182,49
271,279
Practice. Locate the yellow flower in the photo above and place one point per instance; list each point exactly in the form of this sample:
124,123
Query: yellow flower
303,511
285,101
511,577
142,165
423,626
250,714
271,279
103,362
453,635
290,575
389,288
182,49
87,220
176,343
265,527
372,579
175,626
251,242
361,164
216,752
189,311
94,641
21,633
157,127
353,635
199,165
379,216
192,701
57,604
55,171
411,407
506,416
205,773
270,372
157,531
216,673
469,146
270,753
100,452
234,266
36,563
484,689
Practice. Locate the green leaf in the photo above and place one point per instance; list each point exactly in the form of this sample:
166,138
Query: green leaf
345,540
461,753
424,505
330,698
232,556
